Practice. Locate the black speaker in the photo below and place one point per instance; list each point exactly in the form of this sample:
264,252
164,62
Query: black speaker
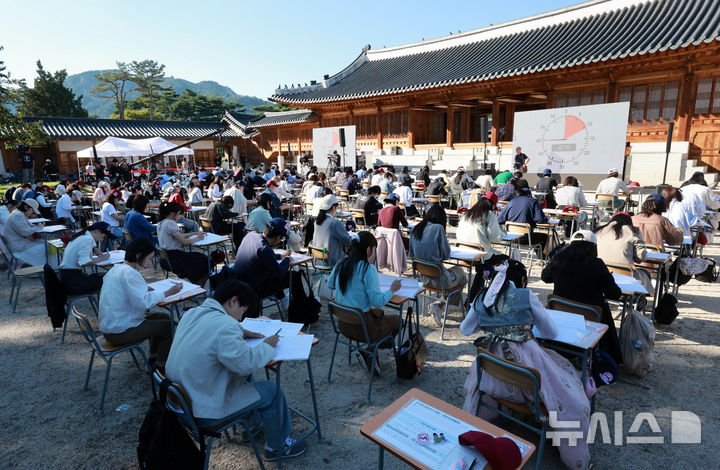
342,136
484,129
668,144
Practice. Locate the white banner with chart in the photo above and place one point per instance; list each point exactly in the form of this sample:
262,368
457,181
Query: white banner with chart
327,139
579,139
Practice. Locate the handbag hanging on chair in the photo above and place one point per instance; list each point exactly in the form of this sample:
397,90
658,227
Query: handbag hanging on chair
413,351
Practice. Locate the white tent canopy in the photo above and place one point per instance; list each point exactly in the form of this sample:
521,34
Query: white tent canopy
117,147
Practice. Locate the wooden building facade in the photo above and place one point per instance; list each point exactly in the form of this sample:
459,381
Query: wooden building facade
663,56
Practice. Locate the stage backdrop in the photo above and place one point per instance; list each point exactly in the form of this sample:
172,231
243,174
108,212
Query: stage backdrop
576,140
327,139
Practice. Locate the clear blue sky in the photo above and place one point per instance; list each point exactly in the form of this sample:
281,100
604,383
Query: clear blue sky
250,46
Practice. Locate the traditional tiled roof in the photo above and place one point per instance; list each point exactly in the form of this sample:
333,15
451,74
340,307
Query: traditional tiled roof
594,31
284,117
239,122
81,128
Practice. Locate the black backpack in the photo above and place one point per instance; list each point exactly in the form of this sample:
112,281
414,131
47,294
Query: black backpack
710,274
304,307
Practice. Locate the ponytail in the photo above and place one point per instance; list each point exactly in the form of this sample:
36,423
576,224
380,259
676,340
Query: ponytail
356,254
167,208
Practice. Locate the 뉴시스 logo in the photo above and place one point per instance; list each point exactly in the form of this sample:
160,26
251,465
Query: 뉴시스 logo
685,428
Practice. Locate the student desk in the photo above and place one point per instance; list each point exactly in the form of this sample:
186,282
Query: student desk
508,240
405,454
39,221
659,260
630,287
397,302
116,257
466,257
275,366
172,303
45,232
193,211
571,216
208,242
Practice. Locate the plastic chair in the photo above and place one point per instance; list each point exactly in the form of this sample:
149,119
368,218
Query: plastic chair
18,275
530,247
206,225
518,376
590,312
164,261
105,351
359,216
354,316
178,402
621,268
606,201
435,270
70,304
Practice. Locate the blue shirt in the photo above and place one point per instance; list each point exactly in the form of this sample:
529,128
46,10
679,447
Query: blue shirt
523,209
138,225
258,218
275,209
29,194
256,262
362,290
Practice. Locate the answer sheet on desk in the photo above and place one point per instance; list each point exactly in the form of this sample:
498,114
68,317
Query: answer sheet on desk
289,348
270,327
571,327
187,288
409,286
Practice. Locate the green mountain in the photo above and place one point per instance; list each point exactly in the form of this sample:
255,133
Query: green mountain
82,83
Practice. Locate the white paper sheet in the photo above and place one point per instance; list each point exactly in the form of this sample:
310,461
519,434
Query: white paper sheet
464,253
409,286
629,284
571,327
116,256
38,221
289,348
658,256
187,288
210,239
270,327
52,228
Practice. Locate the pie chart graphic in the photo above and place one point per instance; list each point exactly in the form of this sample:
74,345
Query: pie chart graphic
573,125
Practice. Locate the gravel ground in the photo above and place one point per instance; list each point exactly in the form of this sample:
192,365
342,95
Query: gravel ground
50,422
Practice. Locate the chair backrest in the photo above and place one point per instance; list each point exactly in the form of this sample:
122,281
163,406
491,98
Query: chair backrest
86,329
206,224
433,199
128,236
653,248
9,259
604,197
520,227
476,246
177,401
620,268
426,268
349,315
344,193
320,255
513,374
358,215
590,312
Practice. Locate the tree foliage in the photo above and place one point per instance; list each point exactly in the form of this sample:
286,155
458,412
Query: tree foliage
50,97
12,127
188,105
148,75
264,108
114,84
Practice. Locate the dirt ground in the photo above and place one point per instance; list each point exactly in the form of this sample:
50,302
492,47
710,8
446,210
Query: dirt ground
49,422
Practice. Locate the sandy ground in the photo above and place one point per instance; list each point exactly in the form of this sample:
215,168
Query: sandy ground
48,421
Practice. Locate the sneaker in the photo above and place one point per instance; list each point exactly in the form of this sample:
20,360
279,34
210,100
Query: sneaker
291,449
365,361
437,313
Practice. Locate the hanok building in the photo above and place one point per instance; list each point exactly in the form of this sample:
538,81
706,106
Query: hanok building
69,135
425,101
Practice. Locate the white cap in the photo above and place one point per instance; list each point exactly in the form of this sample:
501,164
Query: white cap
612,170
583,236
33,203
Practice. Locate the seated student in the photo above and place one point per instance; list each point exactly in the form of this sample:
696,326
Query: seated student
423,176
578,274
458,184
100,193
681,209
391,216
257,264
405,194
480,225
41,194
612,185
524,208
20,191
656,229
271,188
485,181
180,196
503,177
355,284
21,236
428,242
79,254
188,264
260,216
546,184
137,224
124,299
236,193
507,191
386,185
219,214
618,241
196,194
505,330
370,204
212,362
111,217
65,206
329,232
437,187
404,176
350,182
697,186
570,194
5,211
133,192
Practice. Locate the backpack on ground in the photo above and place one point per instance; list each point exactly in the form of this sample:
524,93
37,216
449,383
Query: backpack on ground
666,311
304,307
711,272
637,343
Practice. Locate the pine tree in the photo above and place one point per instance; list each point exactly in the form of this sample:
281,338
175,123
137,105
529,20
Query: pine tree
50,97
114,84
149,76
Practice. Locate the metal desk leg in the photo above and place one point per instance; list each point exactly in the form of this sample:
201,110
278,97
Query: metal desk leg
381,458
279,407
314,400
622,317
658,289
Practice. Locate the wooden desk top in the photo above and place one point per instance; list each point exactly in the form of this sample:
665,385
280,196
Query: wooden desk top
378,420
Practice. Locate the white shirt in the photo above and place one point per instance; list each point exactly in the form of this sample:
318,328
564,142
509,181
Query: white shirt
215,193
99,195
64,207
124,298
405,194
41,201
78,252
570,196
611,185
196,197
312,193
239,200
107,211
376,179
684,214
166,230
4,213
484,182
707,197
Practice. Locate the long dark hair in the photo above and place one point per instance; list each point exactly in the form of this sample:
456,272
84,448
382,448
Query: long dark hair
323,214
478,213
572,259
651,206
265,200
167,208
617,223
140,203
696,178
112,199
356,254
138,249
435,215
459,177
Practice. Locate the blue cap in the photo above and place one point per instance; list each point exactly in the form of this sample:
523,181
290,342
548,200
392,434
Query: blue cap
547,172
104,227
656,197
392,197
279,226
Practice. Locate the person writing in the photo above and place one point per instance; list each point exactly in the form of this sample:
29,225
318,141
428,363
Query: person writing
656,229
370,204
135,221
124,299
479,225
186,264
329,232
21,236
79,254
260,216
221,216
355,284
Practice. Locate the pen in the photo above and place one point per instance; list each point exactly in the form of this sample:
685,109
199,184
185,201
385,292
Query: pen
472,464
278,331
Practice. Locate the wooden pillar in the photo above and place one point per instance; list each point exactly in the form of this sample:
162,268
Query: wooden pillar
550,100
685,106
495,123
465,125
378,117
411,129
611,93
509,120
449,124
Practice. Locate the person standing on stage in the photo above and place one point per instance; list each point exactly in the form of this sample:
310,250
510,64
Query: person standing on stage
520,160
